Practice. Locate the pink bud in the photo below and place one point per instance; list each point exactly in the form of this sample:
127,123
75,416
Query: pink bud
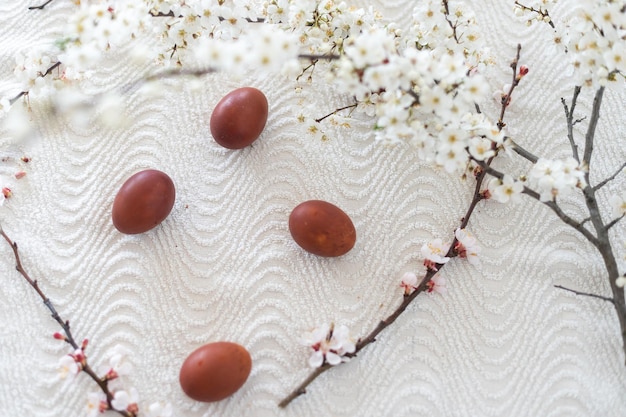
84,344
25,159
6,191
59,336
20,174
523,70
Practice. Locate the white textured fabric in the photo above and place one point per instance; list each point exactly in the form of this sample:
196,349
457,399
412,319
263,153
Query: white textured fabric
502,342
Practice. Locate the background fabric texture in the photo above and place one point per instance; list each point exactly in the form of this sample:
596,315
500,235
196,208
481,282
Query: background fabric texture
502,342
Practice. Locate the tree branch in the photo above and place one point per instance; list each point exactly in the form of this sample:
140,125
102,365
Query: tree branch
523,152
514,83
350,106
552,204
41,6
591,129
569,116
611,178
600,297
65,325
614,222
388,321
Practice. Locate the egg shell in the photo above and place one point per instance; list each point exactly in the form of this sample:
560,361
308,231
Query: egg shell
322,228
143,201
239,118
215,371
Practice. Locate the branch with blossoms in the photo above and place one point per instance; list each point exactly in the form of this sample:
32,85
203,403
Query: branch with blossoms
122,402
554,179
330,348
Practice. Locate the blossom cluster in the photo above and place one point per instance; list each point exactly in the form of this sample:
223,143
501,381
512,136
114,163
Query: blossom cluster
117,367
593,37
554,178
328,344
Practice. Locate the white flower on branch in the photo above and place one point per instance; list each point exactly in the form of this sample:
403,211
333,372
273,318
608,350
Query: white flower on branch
96,403
505,189
409,282
467,246
435,253
118,363
126,400
556,177
329,345
437,284
68,366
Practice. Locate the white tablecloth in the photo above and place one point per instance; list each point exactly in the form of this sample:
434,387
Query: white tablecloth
502,342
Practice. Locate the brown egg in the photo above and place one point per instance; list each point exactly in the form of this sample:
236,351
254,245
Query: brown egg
322,228
239,118
215,371
144,201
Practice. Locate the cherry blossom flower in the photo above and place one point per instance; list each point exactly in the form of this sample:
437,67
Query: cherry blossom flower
506,189
437,284
556,177
434,253
68,366
96,403
126,400
329,345
466,246
621,281
118,364
409,282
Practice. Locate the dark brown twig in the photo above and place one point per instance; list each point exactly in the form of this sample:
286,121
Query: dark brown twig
41,6
350,106
65,325
600,297
506,99
543,13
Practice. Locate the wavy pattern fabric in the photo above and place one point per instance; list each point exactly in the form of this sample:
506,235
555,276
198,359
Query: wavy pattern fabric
502,342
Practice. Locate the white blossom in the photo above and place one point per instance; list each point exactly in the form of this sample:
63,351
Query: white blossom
505,190
328,344
467,246
409,282
96,403
125,400
434,253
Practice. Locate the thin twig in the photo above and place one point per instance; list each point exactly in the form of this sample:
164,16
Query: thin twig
591,129
543,13
514,83
351,106
331,57
65,324
446,12
586,294
609,179
569,116
523,152
614,222
41,6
